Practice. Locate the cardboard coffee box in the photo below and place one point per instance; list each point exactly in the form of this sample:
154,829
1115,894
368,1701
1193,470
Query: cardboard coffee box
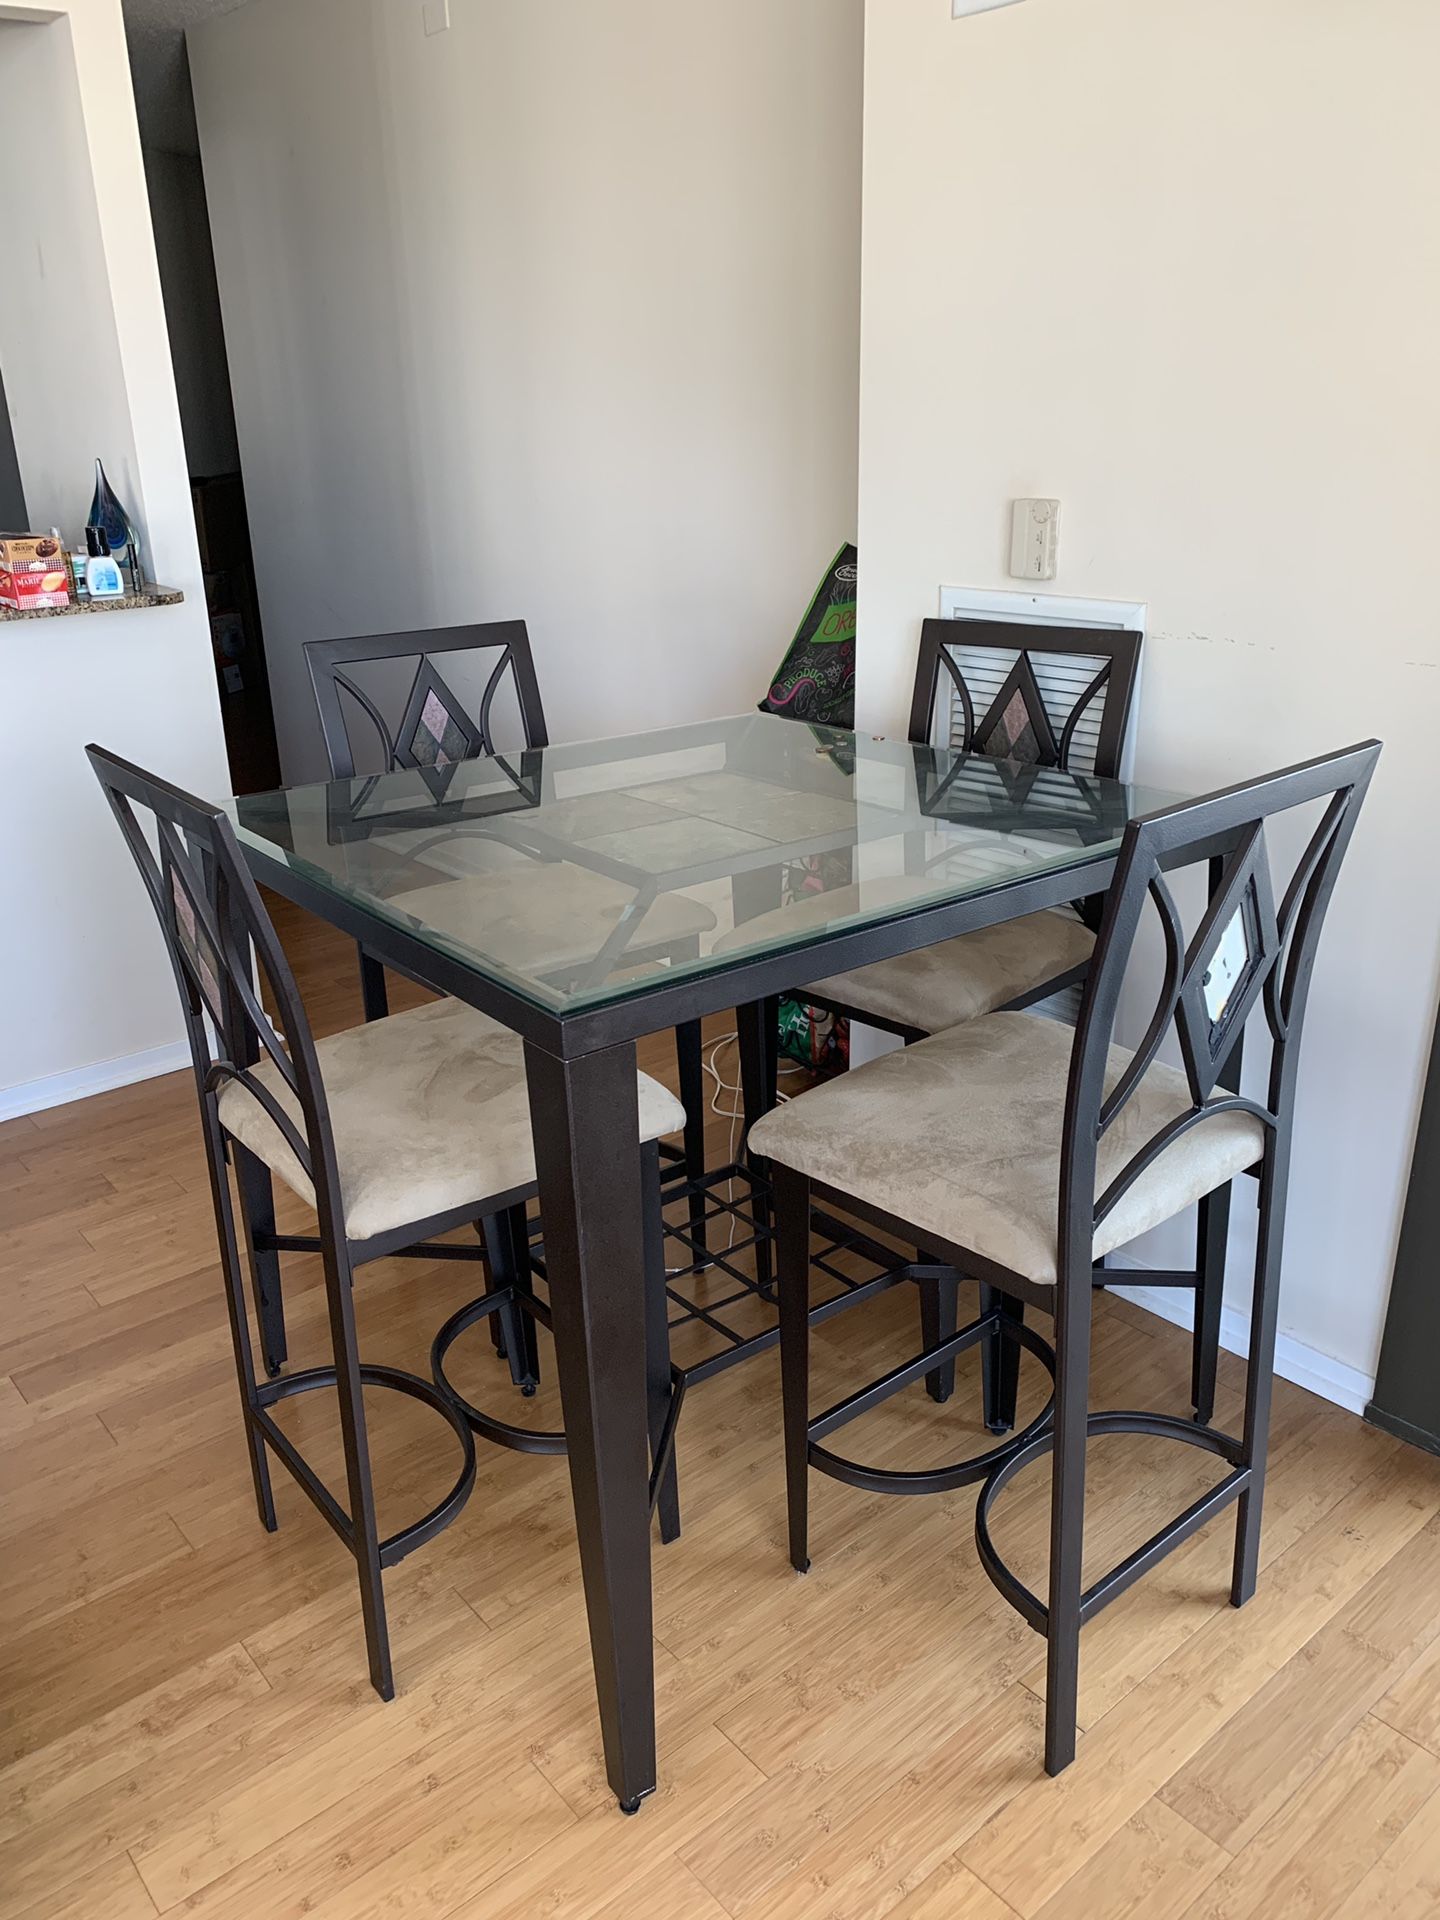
32,572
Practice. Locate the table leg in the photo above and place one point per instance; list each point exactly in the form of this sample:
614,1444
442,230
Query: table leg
585,1115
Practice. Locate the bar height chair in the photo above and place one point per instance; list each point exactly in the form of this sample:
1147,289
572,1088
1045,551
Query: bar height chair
1043,697
1060,697
1039,696
1021,1153
426,720
394,1132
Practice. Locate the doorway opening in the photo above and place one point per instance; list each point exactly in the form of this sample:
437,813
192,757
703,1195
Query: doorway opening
180,216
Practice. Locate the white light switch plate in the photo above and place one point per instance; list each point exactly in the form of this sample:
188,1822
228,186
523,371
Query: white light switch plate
961,7
1035,539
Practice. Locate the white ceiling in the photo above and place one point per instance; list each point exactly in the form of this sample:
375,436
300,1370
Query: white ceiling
156,30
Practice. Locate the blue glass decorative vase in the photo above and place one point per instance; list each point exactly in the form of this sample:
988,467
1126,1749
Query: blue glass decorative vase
107,511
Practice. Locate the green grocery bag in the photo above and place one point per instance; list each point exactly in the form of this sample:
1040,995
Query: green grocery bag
816,680
816,683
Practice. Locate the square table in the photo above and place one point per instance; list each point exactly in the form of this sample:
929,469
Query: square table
588,895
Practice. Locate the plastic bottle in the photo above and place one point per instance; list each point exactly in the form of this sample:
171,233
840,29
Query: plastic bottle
102,575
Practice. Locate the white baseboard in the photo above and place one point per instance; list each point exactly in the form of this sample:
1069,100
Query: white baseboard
59,1089
1342,1385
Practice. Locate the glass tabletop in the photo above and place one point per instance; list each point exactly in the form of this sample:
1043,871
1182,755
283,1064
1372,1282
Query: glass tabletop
578,875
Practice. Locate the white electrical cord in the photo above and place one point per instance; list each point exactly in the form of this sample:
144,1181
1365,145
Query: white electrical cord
735,1112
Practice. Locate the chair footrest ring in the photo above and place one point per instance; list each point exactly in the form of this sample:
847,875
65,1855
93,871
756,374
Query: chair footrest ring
1160,1426
392,1380
501,1432
963,1473
527,1439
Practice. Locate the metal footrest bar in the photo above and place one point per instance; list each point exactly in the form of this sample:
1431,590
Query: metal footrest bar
963,1473
424,1250
301,1471
855,1239
501,1432
860,1293
745,1206
287,1243
896,1381
527,1439
1119,1579
1159,1277
1135,1565
665,1451
392,1380
912,1369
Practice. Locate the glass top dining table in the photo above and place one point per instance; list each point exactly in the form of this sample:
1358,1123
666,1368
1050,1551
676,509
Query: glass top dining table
588,895
570,879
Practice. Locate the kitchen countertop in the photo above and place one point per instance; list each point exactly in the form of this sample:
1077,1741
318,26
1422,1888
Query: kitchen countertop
125,603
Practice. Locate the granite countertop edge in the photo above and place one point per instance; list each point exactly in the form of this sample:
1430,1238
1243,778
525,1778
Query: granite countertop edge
124,603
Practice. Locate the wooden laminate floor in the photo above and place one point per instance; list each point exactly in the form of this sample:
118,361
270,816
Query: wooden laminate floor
187,1725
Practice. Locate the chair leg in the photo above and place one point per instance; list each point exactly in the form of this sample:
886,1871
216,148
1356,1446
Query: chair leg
507,1248
758,1028
792,1219
374,995
235,1305
939,1320
340,1298
1213,1239
690,1058
771,1032
1260,1371
759,1079
1000,1362
1067,1517
660,1382
257,1216
499,1261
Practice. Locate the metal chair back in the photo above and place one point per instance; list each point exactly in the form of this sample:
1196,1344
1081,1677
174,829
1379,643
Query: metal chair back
428,719
1245,954
213,922
1053,696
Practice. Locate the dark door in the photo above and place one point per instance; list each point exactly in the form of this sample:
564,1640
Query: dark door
1407,1389
224,533
12,498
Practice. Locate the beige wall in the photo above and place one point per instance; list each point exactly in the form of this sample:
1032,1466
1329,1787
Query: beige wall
1179,265
552,315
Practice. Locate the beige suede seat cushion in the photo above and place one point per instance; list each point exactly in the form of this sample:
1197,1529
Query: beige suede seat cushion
545,919
429,1112
939,986
960,1137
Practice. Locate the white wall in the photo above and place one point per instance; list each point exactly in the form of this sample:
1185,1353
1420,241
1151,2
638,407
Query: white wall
1180,265
88,994
55,307
553,315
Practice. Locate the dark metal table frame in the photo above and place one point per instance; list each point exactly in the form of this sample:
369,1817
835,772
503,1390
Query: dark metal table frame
581,1069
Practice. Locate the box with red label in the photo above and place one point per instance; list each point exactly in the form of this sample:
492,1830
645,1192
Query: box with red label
33,574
